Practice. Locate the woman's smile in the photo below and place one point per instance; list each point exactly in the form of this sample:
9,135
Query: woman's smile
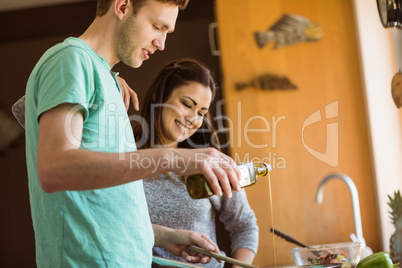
181,126
184,111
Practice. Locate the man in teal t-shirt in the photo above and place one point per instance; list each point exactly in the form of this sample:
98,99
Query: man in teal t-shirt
87,200
76,224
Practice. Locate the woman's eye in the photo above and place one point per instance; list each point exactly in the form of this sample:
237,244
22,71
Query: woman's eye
201,115
155,27
187,105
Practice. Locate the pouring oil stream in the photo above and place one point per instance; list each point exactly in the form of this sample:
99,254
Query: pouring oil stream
272,217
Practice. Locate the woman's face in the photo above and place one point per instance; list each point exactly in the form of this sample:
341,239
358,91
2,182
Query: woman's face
184,111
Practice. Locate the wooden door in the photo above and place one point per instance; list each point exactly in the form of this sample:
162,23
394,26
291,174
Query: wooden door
305,133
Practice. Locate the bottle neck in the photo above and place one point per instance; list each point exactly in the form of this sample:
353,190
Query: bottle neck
262,169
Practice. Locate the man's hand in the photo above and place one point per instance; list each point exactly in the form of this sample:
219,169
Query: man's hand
176,242
220,170
128,93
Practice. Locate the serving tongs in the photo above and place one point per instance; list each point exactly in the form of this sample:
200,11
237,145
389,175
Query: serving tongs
163,262
292,240
287,237
221,257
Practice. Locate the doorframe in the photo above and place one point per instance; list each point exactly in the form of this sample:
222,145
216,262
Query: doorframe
378,65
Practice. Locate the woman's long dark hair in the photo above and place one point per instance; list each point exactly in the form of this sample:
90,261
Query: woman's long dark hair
148,131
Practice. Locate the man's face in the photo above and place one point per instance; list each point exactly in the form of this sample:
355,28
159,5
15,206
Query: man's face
141,35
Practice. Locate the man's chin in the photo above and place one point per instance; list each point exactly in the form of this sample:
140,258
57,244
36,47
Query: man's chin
135,64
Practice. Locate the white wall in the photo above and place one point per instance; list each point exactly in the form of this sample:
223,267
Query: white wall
378,67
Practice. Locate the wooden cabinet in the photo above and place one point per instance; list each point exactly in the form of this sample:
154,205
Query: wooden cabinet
305,134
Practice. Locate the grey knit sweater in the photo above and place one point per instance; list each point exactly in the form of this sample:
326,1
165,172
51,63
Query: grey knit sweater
170,205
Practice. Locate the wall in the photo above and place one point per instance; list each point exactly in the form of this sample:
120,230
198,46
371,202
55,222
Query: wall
377,59
307,133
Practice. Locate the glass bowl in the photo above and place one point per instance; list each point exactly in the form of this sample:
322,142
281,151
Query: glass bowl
347,254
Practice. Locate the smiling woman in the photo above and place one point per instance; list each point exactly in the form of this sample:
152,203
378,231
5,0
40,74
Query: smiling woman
182,115
175,114
177,102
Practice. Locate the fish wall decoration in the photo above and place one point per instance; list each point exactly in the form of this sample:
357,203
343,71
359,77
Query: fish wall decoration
268,82
290,29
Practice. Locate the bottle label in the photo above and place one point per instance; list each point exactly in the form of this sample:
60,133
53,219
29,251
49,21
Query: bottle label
248,176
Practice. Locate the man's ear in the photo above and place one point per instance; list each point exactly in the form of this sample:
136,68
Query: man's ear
121,8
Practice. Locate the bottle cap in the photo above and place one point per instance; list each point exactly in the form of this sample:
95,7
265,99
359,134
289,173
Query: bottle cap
268,168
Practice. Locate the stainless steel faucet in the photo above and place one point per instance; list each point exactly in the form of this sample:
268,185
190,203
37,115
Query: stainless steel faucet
355,202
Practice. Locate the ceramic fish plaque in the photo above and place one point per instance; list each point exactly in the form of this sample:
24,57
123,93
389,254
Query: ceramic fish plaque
268,82
290,29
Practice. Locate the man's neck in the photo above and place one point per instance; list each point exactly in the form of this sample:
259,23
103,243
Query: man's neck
99,37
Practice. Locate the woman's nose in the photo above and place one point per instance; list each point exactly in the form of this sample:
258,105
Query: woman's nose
193,119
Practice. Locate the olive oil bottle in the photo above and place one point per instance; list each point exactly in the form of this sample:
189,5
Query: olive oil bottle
198,187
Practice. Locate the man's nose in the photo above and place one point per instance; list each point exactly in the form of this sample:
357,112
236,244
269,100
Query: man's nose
159,43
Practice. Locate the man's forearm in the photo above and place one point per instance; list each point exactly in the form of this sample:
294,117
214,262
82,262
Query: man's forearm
79,169
63,165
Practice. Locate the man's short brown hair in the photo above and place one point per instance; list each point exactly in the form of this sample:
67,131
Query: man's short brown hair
104,5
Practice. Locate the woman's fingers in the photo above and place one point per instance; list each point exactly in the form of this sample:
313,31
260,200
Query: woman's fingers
203,241
128,94
134,99
195,257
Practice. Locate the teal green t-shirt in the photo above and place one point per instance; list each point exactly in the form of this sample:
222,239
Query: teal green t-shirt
98,228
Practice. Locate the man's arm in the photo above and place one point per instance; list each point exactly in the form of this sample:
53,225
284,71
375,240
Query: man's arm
127,93
62,165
